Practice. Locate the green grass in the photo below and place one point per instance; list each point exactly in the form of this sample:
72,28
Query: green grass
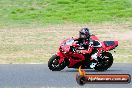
20,13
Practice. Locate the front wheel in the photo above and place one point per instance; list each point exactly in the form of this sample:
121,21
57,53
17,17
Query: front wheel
105,61
54,65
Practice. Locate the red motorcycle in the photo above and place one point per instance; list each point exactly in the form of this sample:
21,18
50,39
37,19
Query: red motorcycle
68,56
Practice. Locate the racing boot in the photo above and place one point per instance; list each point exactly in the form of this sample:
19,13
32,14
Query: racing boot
94,60
94,57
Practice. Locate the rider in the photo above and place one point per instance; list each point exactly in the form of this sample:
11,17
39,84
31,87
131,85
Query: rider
87,44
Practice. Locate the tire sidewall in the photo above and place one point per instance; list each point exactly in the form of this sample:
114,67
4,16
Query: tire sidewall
102,68
60,67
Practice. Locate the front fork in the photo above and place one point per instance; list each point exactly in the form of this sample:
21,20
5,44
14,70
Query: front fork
60,54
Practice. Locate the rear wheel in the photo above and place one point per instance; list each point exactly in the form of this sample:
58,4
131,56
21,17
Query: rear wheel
105,62
54,65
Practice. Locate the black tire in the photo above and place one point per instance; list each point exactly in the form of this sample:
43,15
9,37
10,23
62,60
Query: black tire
55,66
105,62
81,80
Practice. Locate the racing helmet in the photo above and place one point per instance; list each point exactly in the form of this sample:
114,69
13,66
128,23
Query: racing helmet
84,33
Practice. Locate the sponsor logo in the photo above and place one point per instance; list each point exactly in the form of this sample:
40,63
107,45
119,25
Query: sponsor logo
83,78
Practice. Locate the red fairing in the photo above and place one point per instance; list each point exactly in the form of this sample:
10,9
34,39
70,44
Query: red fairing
116,43
110,47
67,53
73,61
93,37
68,56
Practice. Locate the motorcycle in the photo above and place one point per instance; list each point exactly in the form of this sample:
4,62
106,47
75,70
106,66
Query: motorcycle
68,56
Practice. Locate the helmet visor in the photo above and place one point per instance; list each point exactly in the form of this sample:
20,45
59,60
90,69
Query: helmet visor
82,35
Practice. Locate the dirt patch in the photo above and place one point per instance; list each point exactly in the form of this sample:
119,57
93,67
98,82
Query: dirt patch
36,45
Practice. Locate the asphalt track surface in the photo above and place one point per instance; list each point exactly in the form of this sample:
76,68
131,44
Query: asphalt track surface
39,76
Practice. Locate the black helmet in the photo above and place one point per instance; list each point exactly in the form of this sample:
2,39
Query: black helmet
84,33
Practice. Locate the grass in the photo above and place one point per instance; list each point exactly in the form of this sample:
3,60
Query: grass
30,13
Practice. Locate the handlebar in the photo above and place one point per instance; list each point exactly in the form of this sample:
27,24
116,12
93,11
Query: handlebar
75,45
72,49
